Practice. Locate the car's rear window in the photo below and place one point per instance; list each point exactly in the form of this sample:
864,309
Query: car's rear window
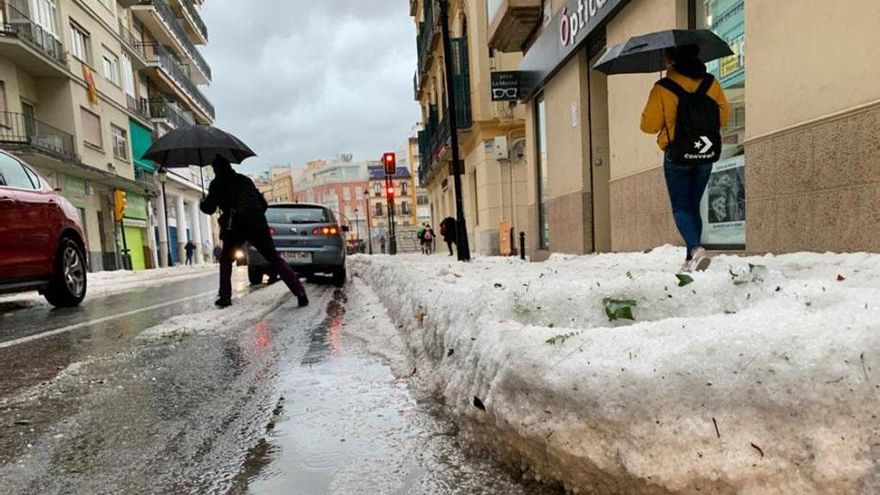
297,215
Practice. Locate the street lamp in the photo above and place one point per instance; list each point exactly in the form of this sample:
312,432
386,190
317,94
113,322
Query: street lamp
357,231
163,178
369,227
461,239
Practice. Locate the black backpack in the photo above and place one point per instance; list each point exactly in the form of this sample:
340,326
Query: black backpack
697,125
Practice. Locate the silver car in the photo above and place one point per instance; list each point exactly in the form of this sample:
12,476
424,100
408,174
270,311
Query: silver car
308,237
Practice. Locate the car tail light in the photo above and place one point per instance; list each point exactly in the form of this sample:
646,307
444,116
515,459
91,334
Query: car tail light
272,231
329,230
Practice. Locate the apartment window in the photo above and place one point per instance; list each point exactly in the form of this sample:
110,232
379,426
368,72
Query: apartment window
111,68
377,189
91,125
378,209
81,43
120,142
404,208
45,15
541,141
404,188
422,200
128,75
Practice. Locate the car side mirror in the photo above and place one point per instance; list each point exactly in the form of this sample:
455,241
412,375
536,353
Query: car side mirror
346,228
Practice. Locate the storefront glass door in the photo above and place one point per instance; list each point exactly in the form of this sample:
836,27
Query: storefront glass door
724,213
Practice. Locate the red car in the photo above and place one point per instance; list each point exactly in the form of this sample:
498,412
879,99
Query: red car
42,245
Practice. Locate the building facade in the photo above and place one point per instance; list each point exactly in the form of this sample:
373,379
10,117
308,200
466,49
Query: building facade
490,133
282,185
338,184
80,84
800,159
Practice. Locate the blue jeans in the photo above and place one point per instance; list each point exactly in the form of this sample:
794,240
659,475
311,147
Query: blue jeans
686,185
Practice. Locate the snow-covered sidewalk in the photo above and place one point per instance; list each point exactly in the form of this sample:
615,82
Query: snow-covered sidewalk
756,377
104,283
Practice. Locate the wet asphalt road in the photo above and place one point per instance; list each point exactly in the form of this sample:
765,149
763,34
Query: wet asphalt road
286,404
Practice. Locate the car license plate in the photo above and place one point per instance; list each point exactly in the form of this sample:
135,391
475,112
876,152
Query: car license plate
297,257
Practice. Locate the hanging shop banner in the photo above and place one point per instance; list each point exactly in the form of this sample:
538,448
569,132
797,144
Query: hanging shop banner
724,204
505,86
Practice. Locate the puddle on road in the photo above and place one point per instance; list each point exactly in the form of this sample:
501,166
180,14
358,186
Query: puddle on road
346,425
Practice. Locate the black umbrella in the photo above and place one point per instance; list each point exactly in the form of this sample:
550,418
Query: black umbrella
197,145
646,53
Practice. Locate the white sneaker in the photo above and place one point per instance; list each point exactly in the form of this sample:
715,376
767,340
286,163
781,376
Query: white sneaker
701,260
687,266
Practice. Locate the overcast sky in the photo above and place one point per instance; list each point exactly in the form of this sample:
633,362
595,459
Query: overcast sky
305,79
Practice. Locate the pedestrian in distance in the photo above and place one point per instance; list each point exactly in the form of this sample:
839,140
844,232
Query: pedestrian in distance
686,110
428,240
190,248
243,219
448,231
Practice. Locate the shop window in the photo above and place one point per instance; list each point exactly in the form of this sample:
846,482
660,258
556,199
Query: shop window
541,147
723,207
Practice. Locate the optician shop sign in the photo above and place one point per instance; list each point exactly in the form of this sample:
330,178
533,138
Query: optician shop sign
568,30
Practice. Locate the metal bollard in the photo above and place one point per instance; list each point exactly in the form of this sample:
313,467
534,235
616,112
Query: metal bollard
522,245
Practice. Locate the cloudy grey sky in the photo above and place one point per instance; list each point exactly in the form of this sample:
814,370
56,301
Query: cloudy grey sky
305,79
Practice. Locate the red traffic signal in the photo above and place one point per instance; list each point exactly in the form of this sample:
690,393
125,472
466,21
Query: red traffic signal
390,191
389,161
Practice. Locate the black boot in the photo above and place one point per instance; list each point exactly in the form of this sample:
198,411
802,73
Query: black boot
302,300
223,302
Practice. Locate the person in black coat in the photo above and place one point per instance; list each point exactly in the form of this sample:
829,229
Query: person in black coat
190,248
243,219
447,230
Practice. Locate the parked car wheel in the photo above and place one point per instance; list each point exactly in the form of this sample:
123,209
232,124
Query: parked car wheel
67,288
339,276
255,275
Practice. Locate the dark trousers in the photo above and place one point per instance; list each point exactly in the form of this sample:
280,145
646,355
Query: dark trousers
450,244
259,238
686,185
189,258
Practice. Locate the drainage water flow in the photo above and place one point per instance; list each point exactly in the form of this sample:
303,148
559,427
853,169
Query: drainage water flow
346,425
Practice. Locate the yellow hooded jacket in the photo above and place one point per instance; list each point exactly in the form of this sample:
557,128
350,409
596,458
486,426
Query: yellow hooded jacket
660,112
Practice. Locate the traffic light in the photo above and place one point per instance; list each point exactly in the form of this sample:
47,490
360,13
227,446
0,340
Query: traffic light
390,191
120,202
389,161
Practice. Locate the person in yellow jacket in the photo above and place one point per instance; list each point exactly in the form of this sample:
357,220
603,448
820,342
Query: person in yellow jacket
685,183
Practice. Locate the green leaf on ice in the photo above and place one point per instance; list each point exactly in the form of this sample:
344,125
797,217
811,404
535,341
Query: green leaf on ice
684,279
619,309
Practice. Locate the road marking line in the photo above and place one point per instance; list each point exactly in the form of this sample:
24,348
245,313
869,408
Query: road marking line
70,328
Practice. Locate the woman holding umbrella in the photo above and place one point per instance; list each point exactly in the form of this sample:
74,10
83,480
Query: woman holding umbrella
685,182
686,110
243,207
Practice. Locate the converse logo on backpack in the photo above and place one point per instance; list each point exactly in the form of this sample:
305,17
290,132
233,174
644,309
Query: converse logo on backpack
697,138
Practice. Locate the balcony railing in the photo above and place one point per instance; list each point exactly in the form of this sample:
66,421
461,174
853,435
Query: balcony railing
18,130
158,54
179,31
146,178
138,106
161,108
18,24
425,36
131,41
195,16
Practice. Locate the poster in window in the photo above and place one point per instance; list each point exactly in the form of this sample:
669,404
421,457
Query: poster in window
724,204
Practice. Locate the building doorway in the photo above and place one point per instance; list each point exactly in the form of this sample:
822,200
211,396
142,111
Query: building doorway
600,157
